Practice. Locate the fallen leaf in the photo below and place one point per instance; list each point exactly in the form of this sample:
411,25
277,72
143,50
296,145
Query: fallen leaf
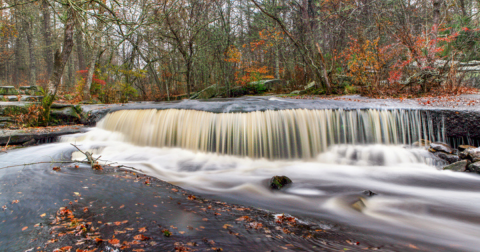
114,241
142,230
25,228
227,226
42,215
141,237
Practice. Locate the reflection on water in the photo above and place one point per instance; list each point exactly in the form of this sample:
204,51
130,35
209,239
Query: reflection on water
414,199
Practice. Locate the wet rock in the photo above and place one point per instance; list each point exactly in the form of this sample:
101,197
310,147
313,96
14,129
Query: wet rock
465,147
422,142
450,158
30,142
474,167
470,154
278,182
369,193
359,205
459,166
442,147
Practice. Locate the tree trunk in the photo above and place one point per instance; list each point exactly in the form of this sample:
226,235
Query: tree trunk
277,63
46,34
80,54
31,51
91,67
462,6
91,70
60,61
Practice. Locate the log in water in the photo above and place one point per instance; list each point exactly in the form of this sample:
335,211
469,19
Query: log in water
284,134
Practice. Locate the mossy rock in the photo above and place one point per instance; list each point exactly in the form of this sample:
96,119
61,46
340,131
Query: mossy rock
459,166
279,182
8,90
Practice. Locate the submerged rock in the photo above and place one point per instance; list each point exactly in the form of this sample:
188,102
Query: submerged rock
278,182
359,205
442,147
459,166
474,167
369,193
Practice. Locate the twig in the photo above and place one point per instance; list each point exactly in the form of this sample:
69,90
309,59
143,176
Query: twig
6,146
87,154
50,162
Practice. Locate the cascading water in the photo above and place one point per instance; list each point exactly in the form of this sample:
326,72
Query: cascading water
284,134
332,156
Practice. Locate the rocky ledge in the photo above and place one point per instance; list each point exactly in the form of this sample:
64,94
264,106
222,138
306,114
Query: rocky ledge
464,159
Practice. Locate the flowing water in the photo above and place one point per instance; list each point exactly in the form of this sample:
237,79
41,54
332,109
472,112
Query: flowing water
332,156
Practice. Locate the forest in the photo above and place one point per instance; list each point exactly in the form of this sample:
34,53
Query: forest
122,50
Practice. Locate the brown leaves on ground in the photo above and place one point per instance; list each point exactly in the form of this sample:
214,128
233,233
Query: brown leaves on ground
141,237
56,168
142,230
114,241
97,167
24,228
255,225
244,218
15,201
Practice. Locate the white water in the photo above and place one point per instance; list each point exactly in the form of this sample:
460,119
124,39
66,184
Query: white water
298,133
415,200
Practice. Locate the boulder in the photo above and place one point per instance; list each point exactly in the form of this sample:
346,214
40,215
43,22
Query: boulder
268,85
8,90
298,92
465,147
310,86
278,182
474,167
470,154
207,93
66,113
459,166
442,147
450,158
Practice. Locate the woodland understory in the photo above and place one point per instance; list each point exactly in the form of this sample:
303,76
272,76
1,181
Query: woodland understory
119,51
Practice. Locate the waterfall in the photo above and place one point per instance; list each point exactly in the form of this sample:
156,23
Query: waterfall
283,134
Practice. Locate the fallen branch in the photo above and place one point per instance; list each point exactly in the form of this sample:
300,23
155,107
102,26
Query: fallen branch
46,162
88,155
6,146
